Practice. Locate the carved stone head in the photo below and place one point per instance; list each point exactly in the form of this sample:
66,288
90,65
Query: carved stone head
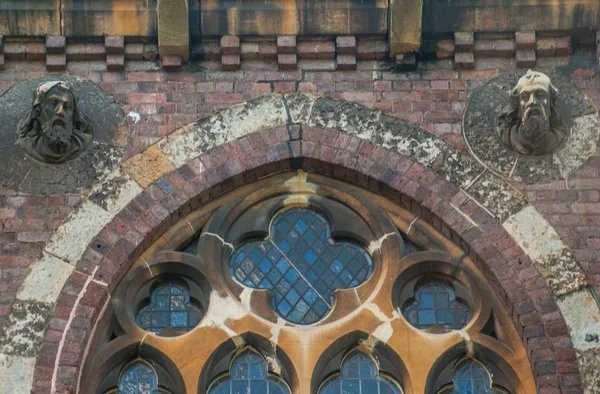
530,124
55,131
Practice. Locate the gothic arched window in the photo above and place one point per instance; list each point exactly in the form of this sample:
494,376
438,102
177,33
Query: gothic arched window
300,284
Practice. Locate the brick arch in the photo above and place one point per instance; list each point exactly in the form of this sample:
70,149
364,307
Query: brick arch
156,188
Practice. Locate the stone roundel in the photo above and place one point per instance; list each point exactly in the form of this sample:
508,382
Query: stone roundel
109,129
480,122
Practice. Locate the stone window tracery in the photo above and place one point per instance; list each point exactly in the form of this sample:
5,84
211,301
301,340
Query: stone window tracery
435,304
138,377
359,374
471,377
170,308
248,375
281,275
301,264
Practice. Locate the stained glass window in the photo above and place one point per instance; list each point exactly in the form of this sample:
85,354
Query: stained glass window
471,378
138,378
301,265
170,307
248,375
359,375
436,304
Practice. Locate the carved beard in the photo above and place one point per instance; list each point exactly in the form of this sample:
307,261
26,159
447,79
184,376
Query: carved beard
58,133
534,127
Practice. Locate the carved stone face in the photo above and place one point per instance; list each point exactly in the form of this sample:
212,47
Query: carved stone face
55,131
530,125
57,119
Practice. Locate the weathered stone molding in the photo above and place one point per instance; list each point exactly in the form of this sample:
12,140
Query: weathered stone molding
503,211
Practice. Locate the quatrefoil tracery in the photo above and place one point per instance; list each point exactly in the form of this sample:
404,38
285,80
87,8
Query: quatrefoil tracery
301,265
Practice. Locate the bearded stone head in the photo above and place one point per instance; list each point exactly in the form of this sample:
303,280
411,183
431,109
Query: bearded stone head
55,131
530,124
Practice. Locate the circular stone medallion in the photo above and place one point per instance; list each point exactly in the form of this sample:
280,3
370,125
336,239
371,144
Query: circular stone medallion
109,129
480,120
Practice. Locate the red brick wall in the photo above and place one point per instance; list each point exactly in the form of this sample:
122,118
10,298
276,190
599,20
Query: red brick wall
433,97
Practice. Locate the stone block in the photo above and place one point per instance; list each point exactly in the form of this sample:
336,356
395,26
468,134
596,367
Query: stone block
35,51
580,311
55,44
545,47
371,50
15,51
484,48
445,49
286,44
563,46
77,231
230,62
525,39
230,45
346,45
249,50
115,62
75,52
146,167
287,61
46,279
346,62
316,50
115,45
267,51
526,58
171,62
504,48
464,42
1,62
56,62
464,60
173,28
95,52
134,51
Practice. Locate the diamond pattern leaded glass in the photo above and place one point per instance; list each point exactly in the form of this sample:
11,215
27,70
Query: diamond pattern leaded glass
138,378
301,264
170,307
471,378
435,304
359,375
248,375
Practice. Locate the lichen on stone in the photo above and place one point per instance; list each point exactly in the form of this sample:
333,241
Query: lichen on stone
562,273
24,330
589,362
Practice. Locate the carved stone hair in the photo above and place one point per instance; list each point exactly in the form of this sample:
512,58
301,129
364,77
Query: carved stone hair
31,134
509,117
31,125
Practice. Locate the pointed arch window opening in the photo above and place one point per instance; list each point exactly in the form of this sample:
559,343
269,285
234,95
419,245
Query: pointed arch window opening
138,377
248,374
359,374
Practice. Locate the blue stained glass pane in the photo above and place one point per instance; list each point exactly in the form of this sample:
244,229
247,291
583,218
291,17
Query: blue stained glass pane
300,250
169,307
436,304
138,378
248,375
471,378
359,375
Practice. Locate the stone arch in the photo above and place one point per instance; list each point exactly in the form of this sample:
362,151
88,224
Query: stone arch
69,285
